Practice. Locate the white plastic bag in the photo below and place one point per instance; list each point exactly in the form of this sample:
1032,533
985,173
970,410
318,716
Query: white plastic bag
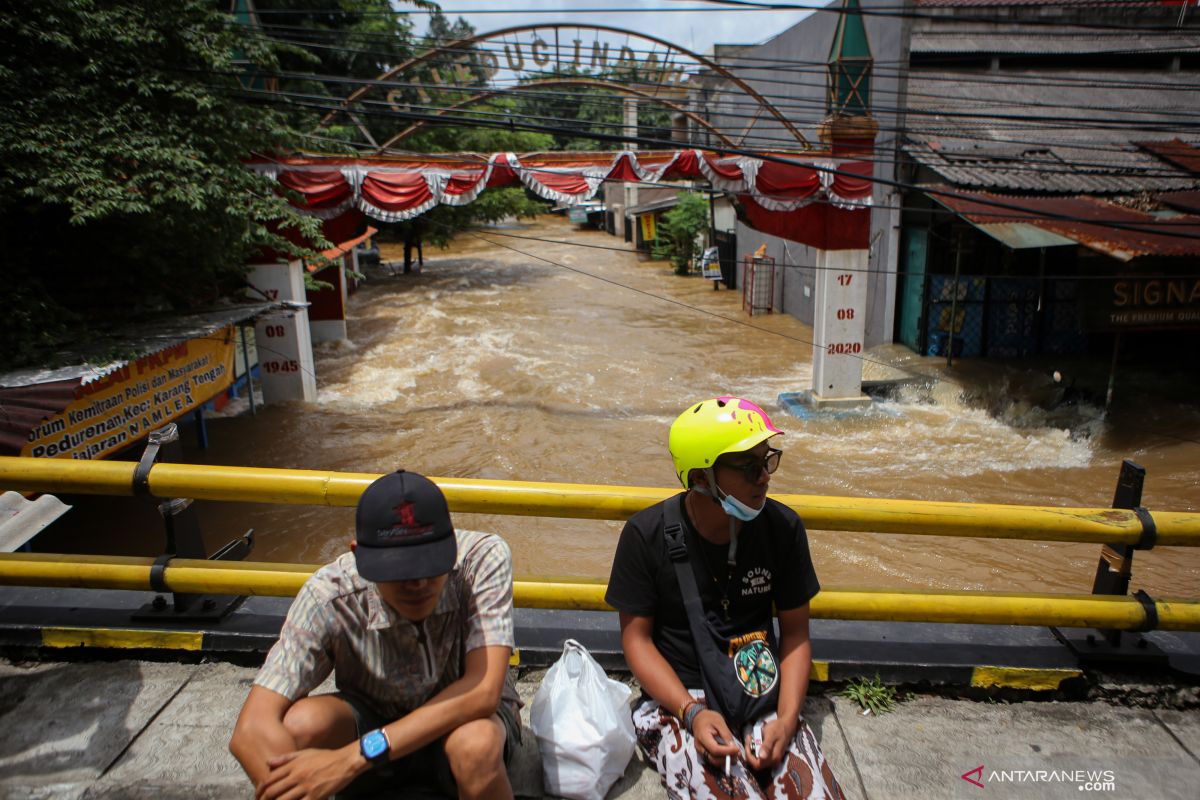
583,725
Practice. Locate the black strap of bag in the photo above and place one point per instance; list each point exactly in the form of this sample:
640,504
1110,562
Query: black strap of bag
718,669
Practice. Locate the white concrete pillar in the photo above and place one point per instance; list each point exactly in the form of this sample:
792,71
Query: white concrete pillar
283,339
838,327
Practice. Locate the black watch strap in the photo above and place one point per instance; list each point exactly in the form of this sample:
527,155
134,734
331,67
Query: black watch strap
375,755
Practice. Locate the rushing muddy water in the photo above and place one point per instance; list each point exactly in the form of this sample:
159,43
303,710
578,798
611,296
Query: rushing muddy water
496,363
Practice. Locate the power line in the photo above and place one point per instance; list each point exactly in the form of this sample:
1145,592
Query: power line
1040,123
1123,168
431,115
733,62
538,93
987,202
521,88
899,11
738,60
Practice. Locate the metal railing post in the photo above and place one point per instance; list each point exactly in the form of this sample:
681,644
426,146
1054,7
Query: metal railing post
1115,566
1113,573
184,540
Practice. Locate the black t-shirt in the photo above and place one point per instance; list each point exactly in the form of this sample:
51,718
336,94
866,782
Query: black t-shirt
773,566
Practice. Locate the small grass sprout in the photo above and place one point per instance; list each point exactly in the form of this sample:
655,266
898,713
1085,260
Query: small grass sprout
871,694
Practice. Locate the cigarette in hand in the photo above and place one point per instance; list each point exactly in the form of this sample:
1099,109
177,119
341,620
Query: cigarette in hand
727,766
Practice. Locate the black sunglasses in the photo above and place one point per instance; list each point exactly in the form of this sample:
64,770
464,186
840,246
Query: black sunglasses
753,469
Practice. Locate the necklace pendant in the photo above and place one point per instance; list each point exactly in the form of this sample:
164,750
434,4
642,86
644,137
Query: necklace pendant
725,607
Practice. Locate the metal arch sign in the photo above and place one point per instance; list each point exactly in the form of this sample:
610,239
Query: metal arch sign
595,55
517,55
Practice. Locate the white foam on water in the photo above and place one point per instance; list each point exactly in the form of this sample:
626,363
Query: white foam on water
472,389
368,386
336,347
947,439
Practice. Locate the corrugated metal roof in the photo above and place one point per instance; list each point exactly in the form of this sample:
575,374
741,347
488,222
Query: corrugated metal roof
1053,169
1014,3
995,40
1181,154
29,396
1050,131
654,205
1020,235
1185,201
21,519
138,339
1105,227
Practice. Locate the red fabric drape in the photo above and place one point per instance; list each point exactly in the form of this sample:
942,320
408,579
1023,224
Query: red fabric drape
502,174
623,170
323,189
785,182
566,183
818,225
730,171
849,186
686,166
395,191
463,182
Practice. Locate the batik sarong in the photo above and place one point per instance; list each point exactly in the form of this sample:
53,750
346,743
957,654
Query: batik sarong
802,773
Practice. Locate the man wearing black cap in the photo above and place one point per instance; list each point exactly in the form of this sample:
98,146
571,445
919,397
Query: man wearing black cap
416,625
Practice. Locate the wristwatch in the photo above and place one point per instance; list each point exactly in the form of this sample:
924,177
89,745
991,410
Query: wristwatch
375,746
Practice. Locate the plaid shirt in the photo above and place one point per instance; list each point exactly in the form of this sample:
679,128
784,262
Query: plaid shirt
340,622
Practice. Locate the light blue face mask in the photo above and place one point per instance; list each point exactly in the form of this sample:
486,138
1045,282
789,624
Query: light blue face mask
739,510
735,509
730,504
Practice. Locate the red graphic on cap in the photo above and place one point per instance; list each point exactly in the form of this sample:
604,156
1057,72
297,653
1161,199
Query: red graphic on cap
405,512
977,772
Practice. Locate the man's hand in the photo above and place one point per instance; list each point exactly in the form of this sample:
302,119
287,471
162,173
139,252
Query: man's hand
309,774
776,736
713,738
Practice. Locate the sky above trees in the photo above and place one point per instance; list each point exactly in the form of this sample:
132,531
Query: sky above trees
694,29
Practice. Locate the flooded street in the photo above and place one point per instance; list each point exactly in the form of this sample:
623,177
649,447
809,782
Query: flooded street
502,361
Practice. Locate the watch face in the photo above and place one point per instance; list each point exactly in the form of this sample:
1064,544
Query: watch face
374,745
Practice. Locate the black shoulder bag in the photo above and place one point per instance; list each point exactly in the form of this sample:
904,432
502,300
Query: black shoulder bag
740,671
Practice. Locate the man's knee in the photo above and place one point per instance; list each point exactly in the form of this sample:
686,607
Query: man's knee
320,722
476,750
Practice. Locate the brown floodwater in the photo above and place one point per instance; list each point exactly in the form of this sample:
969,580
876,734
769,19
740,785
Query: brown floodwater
527,360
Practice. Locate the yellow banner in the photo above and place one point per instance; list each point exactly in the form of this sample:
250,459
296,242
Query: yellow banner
648,227
115,411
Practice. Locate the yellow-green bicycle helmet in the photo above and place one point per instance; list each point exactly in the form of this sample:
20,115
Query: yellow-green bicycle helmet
709,429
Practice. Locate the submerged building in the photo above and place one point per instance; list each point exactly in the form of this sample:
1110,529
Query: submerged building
1046,153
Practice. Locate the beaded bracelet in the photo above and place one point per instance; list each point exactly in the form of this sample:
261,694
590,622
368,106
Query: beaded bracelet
691,701
690,715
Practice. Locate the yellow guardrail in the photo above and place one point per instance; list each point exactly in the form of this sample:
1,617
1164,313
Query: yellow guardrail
284,580
586,501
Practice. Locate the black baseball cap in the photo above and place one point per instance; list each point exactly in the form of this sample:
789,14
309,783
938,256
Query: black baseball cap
403,530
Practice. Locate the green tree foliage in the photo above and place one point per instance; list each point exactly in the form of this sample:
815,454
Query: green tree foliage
123,190
323,45
585,110
678,230
464,70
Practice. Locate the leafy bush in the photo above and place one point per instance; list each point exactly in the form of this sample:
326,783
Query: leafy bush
676,239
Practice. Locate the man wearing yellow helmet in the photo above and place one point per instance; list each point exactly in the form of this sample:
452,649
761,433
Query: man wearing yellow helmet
694,579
